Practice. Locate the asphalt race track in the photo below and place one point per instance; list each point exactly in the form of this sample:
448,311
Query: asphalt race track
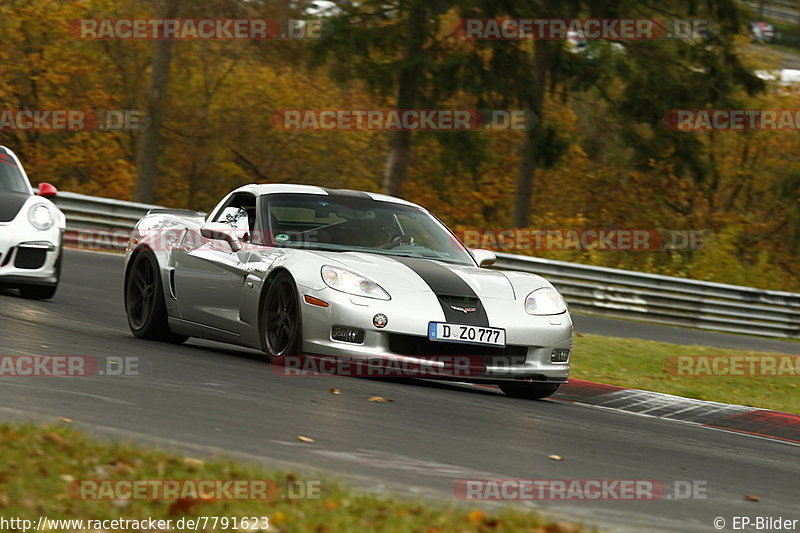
204,397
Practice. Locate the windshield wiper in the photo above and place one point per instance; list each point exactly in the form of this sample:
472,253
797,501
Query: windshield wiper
311,246
421,256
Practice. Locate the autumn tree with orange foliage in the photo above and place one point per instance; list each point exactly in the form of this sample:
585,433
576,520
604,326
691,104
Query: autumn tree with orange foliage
610,161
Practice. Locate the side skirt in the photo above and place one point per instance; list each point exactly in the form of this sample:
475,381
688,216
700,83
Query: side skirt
193,329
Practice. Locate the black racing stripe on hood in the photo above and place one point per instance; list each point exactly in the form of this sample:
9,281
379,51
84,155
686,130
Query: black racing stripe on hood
10,204
450,289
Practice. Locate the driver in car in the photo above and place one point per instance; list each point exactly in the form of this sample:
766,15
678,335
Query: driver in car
385,234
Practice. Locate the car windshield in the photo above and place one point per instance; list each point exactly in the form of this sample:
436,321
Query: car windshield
359,223
11,179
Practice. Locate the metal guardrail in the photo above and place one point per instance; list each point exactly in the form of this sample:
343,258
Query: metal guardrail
105,223
787,11
91,212
94,222
666,299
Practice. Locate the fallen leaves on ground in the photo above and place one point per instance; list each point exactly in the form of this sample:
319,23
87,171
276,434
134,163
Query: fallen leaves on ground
193,463
278,518
55,438
563,527
379,399
183,507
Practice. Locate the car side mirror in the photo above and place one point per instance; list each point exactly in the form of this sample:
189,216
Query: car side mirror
46,190
221,231
484,258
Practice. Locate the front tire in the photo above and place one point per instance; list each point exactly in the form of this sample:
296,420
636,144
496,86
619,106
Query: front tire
528,391
38,292
281,330
44,292
144,301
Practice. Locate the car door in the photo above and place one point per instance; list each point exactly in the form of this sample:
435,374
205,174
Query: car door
209,277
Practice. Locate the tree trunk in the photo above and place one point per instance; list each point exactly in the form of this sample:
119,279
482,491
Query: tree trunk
397,160
528,163
149,147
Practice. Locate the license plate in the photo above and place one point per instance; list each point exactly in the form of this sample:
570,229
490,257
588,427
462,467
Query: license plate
438,331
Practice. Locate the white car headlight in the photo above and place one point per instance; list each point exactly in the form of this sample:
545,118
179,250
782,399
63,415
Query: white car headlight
351,283
545,301
41,216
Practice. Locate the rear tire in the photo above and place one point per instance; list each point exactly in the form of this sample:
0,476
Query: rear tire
144,301
281,329
528,391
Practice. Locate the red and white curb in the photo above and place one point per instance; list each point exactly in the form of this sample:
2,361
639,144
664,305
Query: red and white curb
737,418
729,417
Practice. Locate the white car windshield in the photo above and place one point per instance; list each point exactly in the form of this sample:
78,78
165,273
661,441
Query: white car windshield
359,223
11,179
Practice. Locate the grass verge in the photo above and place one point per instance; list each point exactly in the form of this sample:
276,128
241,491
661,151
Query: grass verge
642,364
40,464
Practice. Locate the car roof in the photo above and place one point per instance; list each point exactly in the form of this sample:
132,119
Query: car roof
9,152
261,189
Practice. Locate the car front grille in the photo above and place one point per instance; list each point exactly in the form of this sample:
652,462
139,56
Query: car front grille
422,347
465,301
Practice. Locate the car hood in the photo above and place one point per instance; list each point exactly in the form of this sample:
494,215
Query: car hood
10,204
414,274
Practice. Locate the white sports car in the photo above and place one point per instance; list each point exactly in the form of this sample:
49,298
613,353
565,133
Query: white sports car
298,269
31,232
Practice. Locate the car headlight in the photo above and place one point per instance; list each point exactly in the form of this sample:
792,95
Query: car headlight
41,217
351,283
545,301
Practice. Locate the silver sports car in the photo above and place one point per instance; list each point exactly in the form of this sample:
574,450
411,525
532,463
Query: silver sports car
304,271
